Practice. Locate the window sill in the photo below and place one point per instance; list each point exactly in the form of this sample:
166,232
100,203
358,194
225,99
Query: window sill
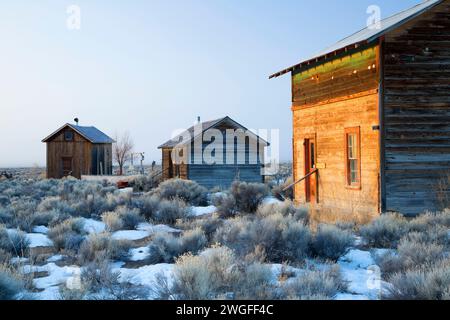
355,188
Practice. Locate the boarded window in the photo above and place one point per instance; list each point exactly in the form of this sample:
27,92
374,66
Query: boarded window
353,157
68,135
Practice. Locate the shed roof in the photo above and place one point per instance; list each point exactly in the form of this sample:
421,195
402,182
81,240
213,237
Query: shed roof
92,134
205,126
366,35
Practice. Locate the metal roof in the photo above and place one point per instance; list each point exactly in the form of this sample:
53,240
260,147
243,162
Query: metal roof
90,133
367,35
205,126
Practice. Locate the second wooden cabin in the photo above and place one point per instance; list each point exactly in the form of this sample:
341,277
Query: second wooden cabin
214,154
371,119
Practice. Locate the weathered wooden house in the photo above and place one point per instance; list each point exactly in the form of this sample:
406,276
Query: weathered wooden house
75,150
214,154
371,118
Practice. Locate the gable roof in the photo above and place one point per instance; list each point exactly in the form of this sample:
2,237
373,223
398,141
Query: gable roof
205,126
92,134
366,35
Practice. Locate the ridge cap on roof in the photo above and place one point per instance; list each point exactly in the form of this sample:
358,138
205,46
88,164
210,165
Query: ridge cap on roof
215,122
79,129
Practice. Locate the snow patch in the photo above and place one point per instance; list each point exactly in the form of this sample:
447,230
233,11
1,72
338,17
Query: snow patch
57,276
38,240
279,269
203,211
18,260
363,276
56,258
348,297
271,200
40,229
147,275
126,190
130,235
93,226
151,229
139,254
357,259
144,230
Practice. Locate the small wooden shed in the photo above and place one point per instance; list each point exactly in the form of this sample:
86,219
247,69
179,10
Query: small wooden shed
214,154
371,118
75,150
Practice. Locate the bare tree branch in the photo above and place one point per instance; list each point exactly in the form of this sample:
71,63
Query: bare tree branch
122,150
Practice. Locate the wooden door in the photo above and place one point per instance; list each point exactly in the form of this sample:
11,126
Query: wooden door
310,166
67,166
170,168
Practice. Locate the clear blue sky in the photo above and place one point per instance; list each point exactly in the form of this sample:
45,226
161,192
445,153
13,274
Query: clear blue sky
150,67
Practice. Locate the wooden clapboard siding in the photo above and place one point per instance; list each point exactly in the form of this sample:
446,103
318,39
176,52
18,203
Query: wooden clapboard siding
79,150
341,77
222,176
327,122
168,168
101,159
417,111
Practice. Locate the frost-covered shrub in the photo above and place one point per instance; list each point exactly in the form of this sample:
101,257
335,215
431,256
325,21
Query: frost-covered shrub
169,211
286,208
248,195
6,216
186,190
56,204
100,282
255,283
226,204
386,231
23,210
49,218
65,232
282,238
103,245
4,200
430,282
411,253
316,285
5,257
112,220
434,234
209,225
279,191
204,277
165,247
416,253
11,283
144,183
15,242
429,220
130,217
73,242
218,274
147,204
330,242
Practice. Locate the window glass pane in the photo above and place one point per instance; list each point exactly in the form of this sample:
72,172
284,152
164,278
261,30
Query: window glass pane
353,161
354,171
68,135
313,160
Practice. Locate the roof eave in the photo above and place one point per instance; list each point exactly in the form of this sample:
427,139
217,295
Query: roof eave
322,57
357,44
